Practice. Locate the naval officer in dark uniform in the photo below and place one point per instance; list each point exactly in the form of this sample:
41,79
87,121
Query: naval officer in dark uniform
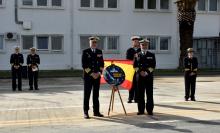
144,65
191,67
130,56
16,62
33,61
92,64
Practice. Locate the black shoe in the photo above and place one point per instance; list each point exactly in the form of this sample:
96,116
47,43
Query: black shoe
98,115
129,101
19,89
193,99
30,89
86,116
14,90
140,113
37,89
150,113
186,99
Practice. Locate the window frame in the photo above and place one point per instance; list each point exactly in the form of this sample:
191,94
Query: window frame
104,8
47,42
35,6
3,4
22,41
169,43
27,5
157,9
51,2
62,42
35,44
105,45
158,37
3,43
207,8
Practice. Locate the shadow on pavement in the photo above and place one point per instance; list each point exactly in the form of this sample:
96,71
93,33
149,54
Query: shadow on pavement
186,108
159,121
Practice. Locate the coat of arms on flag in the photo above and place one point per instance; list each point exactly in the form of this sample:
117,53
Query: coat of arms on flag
126,66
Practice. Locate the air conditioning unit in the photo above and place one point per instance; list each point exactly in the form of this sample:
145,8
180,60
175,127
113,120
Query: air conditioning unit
10,36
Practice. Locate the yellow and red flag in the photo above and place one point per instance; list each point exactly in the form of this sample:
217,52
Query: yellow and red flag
127,66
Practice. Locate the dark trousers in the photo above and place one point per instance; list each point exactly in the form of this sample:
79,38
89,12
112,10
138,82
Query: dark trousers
133,92
16,74
89,85
190,86
145,85
33,78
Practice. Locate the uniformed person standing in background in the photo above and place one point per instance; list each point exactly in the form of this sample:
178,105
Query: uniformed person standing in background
144,65
191,67
33,61
16,62
92,64
130,56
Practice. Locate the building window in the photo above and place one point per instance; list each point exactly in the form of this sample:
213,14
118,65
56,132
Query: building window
27,2
159,44
106,43
41,2
164,43
164,4
85,3
43,42
1,42
99,3
28,42
151,4
56,2
112,3
202,5
112,43
153,43
213,5
56,43
139,4
208,5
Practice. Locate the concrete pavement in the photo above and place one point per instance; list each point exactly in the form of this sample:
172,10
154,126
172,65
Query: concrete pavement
57,108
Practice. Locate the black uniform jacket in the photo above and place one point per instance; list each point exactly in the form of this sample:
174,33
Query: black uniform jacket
145,62
33,60
191,65
131,52
16,59
92,61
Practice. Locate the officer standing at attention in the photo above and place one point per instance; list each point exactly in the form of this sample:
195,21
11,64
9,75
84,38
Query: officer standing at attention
130,56
33,61
92,64
191,66
144,65
16,62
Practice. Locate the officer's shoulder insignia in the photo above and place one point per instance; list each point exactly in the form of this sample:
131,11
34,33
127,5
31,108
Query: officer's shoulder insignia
99,55
88,55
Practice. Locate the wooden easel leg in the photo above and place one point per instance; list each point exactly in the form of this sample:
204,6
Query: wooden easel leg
122,102
110,101
113,98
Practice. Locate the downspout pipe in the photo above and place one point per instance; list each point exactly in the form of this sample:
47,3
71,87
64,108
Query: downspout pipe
16,13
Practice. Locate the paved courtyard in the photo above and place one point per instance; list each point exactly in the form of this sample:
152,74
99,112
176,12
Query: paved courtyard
57,108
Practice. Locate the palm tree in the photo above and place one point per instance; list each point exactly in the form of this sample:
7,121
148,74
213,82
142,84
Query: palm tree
186,18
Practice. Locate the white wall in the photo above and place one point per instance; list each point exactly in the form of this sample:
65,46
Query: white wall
124,22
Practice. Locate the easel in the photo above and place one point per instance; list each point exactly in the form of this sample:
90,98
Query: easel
111,105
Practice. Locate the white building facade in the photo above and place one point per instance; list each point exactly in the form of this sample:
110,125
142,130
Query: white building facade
59,29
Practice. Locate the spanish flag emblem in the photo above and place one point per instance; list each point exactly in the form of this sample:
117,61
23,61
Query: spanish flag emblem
127,67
